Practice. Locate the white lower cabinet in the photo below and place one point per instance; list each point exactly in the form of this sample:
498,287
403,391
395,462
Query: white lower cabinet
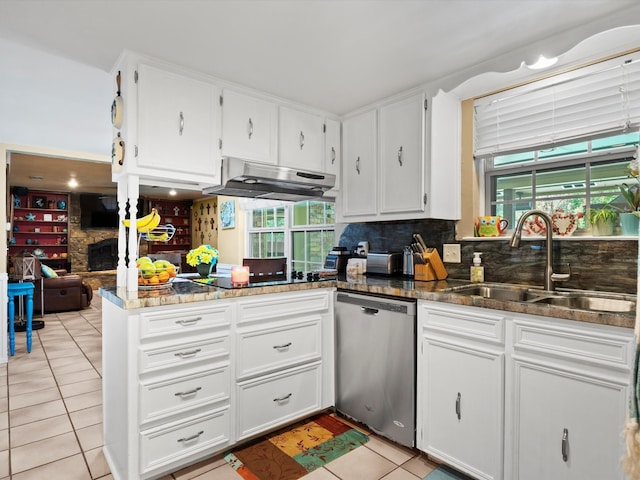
183,382
170,444
521,397
461,387
284,346
570,393
278,398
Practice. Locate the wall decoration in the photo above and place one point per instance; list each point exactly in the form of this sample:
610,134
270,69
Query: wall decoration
228,214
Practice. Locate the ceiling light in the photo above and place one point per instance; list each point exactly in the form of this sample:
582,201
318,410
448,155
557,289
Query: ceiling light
543,62
172,192
73,183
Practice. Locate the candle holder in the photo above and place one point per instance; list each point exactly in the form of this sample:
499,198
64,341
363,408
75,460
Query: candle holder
240,276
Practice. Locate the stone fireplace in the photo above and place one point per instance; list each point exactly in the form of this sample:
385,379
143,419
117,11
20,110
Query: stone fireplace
103,255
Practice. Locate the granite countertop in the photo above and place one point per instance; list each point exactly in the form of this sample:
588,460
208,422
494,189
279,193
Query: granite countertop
185,291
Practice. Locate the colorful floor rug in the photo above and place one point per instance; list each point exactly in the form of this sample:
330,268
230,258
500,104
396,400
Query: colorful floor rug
446,473
297,450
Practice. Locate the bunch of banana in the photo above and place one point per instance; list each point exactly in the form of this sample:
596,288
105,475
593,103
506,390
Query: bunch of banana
146,223
157,237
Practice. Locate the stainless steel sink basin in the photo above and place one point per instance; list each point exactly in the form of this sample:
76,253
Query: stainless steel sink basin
507,293
578,299
590,301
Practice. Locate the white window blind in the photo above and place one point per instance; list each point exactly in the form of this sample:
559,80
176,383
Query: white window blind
600,99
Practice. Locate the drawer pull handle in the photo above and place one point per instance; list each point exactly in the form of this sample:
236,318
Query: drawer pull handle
282,347
458,405
192,437
188,354
282,399
190,321
565,445
188,392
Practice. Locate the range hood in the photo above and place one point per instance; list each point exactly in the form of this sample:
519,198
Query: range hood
243,178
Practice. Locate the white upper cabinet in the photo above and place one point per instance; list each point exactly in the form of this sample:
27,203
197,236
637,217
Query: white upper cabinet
359,175
249,127
418,162
401,156
332,150
170,123
443,157
300,139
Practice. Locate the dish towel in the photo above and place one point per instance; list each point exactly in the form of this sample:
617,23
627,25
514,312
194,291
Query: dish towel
631,460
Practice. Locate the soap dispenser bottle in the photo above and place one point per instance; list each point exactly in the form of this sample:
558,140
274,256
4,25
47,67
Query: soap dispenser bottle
477,269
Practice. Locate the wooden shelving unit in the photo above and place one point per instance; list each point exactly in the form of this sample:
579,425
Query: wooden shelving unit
178,214
40,225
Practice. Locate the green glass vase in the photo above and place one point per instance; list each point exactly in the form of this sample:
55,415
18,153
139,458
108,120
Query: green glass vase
204,269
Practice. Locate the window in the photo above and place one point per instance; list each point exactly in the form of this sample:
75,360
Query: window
303,232
572,177
562,142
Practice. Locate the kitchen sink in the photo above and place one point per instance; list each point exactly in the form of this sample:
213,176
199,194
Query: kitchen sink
589,301
578,299
507,293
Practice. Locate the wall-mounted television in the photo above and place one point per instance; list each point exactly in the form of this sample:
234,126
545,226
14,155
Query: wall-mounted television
101,211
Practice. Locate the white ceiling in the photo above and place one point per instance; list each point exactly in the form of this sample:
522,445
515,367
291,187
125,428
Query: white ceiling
335,55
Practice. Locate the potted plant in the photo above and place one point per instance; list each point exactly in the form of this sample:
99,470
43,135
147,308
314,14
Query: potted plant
630,218
602,220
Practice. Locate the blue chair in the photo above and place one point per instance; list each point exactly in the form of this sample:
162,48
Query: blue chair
17,290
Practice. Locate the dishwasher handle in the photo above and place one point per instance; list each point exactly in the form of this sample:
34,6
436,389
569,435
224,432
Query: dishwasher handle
369,311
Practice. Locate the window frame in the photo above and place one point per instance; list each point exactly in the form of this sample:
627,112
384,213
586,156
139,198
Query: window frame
589,159
289,229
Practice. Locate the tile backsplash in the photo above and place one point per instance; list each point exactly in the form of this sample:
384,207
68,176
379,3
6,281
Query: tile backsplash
610,265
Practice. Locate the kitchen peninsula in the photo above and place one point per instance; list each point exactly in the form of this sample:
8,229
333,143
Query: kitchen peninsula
204,368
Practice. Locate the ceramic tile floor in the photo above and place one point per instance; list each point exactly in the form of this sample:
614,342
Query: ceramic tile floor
51,415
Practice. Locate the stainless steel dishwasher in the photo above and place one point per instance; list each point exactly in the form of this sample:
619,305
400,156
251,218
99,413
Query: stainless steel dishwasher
375,363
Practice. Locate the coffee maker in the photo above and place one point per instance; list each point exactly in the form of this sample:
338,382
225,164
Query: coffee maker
337,259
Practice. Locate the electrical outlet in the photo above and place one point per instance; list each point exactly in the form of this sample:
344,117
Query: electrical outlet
451,252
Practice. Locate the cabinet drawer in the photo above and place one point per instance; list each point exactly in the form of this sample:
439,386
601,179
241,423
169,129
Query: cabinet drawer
176,442
170,396
156,357
276,399
184,320
286,345
265,307
600,345
487,325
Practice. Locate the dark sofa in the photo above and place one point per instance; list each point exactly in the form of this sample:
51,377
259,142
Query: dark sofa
61,294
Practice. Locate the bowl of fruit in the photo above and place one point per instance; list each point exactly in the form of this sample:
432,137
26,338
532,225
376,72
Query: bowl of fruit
154,274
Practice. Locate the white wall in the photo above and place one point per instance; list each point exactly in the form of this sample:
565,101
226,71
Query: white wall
50,101
48,104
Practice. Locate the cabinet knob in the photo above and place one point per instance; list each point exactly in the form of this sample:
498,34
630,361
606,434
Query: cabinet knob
181,129
565,445
192,437
188,392
282,399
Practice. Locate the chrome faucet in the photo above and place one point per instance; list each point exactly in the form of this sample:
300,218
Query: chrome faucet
549,276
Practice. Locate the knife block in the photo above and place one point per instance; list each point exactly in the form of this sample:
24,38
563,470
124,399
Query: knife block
432,270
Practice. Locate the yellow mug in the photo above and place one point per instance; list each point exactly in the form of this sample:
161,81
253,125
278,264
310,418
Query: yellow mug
490,226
